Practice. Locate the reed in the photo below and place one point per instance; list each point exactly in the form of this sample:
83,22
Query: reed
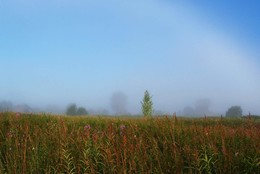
58,144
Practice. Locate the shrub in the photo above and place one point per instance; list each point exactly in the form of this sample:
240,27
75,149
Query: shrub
234,111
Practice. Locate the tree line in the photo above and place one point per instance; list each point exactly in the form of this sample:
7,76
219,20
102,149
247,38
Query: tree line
118,104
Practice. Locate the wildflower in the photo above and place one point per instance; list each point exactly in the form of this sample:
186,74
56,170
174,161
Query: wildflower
87,127
9,134
18,114
122,128
87,130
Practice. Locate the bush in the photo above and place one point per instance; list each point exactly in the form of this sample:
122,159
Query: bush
73,110
82,111
234,111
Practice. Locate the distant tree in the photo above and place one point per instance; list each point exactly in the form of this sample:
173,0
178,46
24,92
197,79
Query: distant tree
6,106
147,105
74,110
23,108
234,111
202,107
82,111
71,109
119,103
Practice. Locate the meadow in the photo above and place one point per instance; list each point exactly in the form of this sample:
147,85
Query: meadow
40,143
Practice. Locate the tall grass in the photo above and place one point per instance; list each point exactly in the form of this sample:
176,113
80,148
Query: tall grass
58,144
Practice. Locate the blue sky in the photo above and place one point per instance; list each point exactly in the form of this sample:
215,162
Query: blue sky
57,52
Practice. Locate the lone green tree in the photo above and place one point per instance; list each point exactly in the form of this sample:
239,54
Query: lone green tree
147,105
234,111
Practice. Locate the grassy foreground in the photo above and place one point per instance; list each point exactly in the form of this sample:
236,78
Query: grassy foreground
56,144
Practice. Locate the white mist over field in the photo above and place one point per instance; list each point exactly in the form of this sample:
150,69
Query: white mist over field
103,55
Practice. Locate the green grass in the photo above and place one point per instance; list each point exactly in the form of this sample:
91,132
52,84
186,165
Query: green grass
59,144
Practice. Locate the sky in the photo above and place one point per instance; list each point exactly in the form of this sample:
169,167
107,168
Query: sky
57,52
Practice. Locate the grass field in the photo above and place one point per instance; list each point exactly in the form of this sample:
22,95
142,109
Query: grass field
58,144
